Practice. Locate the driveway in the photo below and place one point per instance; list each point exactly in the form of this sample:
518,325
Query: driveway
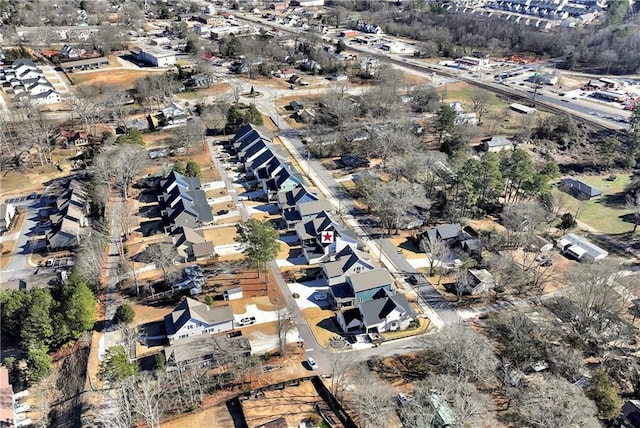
308,291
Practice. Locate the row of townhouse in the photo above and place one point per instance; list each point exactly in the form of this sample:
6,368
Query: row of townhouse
27,81
364,295
68,217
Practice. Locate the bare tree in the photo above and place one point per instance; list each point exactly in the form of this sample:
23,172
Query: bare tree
459,351
149,399
340,365
118,166
189,135
372,399
436,249
553,402
462,400
162,254
391,141
480,103
598,303
284,324
391,201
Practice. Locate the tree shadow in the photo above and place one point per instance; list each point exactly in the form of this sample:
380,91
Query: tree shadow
150,228
330,324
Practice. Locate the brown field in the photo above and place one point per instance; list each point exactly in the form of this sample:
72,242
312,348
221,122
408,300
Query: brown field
221,236
112,76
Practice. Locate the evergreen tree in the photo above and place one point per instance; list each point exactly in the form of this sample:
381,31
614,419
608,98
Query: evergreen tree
124,314
603,392
37,329
192,169
179,167
38,365
75,312
116,366
261,242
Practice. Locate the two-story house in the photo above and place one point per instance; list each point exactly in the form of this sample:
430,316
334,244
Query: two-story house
349,261
192,318
322,237
183,203
390,313
363,287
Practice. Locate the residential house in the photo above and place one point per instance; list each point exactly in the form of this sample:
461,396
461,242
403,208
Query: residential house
629,416
201,80
391,313
579,189
183,203
305,211
478,281
68,138
69,217
581,248
173,114
207,19
354,160
448,233
322,237
191,244
192,318
498,143
349,261
7,213
69,52
285,177
305,116
296,106
288,200
362,287
192,280
205,351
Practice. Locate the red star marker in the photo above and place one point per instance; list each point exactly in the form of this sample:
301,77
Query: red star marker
326,237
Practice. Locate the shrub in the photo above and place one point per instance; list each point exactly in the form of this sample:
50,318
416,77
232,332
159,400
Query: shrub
124,314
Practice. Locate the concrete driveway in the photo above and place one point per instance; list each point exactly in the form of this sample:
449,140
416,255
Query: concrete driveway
308,291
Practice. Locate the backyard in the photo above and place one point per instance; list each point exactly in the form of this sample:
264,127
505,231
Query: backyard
606,213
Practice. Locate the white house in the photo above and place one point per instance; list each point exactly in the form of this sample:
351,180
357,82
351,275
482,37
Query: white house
581,248
7,212
393,313
192,318
49,97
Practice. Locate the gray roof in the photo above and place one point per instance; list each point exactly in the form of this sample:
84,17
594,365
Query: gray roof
190,308
290,198
344,260
444,232
581,187
498,141
314,207
218,348
374,311
582,242
371,279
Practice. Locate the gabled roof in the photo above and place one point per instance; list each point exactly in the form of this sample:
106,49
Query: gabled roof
64,234
291,198
192,309
583,243
443,232
345,259
310,208
498,141
261,160
250,150
202,249
375,311
371,279
581,187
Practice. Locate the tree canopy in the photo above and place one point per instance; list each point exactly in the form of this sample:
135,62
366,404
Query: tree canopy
260,241
116,366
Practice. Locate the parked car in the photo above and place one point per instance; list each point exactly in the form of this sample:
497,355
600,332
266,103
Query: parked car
413,280
312,363
222,212
33,195
402,399
320,296
247,321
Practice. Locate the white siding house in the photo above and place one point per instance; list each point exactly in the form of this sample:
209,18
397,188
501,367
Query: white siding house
192,318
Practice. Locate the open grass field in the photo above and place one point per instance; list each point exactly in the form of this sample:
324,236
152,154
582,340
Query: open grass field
606,213
112,76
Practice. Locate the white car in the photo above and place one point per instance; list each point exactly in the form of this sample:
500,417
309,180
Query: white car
247,321
312,363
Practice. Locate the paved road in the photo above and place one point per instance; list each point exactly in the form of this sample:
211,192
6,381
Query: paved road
19,266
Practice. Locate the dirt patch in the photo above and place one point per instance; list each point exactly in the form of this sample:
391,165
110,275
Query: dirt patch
24,181
222,235
217,413
7,248
293,403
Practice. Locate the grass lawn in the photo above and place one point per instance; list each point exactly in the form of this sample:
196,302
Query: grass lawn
605,212
462,92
